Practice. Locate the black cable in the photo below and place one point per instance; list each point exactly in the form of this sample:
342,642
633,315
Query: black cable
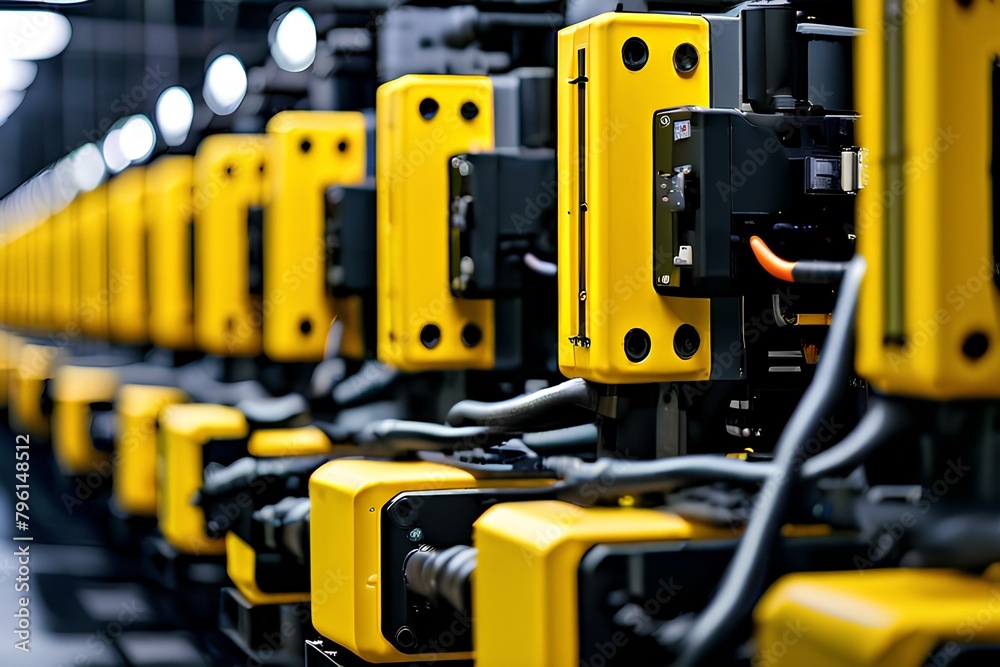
744,579
525,413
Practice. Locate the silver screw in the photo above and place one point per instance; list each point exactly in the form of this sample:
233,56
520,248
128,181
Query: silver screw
416,534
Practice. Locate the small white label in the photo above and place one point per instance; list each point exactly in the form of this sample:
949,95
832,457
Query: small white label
682,129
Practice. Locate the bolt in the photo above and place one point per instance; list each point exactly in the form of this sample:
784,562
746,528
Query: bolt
416,534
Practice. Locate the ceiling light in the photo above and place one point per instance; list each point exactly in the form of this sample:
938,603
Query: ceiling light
225,84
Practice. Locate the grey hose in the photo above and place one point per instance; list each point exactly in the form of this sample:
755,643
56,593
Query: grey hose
524,413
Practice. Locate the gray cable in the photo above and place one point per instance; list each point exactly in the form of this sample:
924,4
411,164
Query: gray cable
743,581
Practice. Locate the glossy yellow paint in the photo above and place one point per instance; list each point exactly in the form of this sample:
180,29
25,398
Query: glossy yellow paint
241,565
616,292
184,431
412,237
929,290
93,265
168,205
128,307
305,441
527,573
42,275
134,459
65,270
877,618
346,501
74,389
229,174
35,365
308,151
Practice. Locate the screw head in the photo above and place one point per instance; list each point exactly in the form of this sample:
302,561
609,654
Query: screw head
416,534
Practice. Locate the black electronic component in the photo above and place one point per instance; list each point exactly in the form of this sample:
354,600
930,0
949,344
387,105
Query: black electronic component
502,209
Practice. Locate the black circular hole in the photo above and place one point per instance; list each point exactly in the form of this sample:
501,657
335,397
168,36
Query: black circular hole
686,341
976,345
469,110
305,326
471,335
637,345
342,146
405,637
635,54
229,170
260,167
230,324
685,58
428,108
430,336
305,145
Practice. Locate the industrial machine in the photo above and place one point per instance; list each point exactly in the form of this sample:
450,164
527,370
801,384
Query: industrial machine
522,333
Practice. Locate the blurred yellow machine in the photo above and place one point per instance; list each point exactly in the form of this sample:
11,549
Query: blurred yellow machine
127,271
227,201
308,152
169,216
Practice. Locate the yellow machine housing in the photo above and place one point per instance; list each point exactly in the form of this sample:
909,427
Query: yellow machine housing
929,318
74,389
42,273
184,431
346,499
880,618
305,441
170,251
527,567
308,151
134,459
229,192
606,197
15,278
34,365
241,565
128,301
93,265
419,127
65,269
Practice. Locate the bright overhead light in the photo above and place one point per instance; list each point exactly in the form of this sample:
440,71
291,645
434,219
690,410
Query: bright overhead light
87,167
9,101
174,115
16,74
225,84
111,148
33,35
293,42
137,138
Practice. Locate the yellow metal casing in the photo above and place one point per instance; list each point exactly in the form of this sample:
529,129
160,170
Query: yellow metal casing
527,574
308,151
65,270
134,459
31,282
889,618
128,308
184,431
34,365
93,265
42,271
606,194
170,253
346,501
9,346
74,389
241,565
229,180
305,441
929,314
14,279
414,295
